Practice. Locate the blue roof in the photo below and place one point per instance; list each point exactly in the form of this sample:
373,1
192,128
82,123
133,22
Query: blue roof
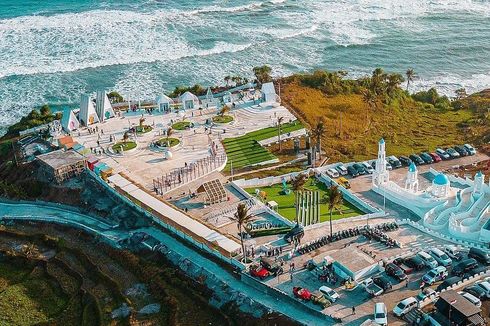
441,180
479,174
412,167
381,141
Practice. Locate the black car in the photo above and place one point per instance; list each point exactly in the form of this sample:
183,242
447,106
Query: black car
360,169
477,291
480,255
461,150
405,160
382,283
452,152
464,267
395,271
272,266
394,162
416,159
448,282
415,262
352,171
426,158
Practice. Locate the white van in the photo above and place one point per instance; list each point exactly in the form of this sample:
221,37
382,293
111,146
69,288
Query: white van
441,257
429,261
380,314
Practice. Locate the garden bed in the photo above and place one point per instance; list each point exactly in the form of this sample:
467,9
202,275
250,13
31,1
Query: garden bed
124,146
222,119
181,125
167,142
143,129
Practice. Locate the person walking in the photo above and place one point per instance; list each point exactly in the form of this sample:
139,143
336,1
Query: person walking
353,310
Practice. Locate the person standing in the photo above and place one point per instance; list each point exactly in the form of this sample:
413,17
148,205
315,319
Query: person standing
353,310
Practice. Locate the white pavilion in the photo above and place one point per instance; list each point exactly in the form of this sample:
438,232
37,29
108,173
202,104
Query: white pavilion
189,101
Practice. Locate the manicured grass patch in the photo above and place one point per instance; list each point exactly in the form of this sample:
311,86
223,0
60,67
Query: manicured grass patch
286,202
143,129
245,150
223,119
121,146
167,142
181,125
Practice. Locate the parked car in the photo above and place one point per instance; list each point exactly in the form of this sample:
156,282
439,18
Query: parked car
440,257
416,159
388,165
329,293
301,293
406,161
476,291
426,158
352,171
341,169
332,173
471,298
380,314
470,149
383,283
394,162
415,262
486,287
429,261
436,158
372,288
272,266
405,306
395,271
443,154
464,267
319,298
368,167
453,252
343,182
448,282
452,152
360,168
400,262
259,271
479,255
435,275
426,292
461,150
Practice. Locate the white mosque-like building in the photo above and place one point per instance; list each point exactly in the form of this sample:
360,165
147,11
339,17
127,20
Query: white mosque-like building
461,211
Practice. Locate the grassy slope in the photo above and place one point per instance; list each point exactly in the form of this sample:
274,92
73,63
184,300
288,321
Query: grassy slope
286,202
245,150
407,127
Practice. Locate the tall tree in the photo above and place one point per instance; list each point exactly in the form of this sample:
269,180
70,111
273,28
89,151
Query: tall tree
242,217
318,133
279,123
410,76
262,74
335,201
227,80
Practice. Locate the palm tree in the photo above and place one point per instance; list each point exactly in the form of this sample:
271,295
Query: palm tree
227,80
318,132
279,122
225,109
125,136
335,201
169,132
410,76
242,217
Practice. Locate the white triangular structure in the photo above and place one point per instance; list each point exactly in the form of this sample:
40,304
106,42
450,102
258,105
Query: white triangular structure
209,101
269,93
87,114
103,106
189,101
381,174
69,121
164,102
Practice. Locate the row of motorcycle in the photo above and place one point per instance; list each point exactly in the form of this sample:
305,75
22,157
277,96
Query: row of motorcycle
375,232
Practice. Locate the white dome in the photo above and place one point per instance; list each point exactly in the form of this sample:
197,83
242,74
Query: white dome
169,155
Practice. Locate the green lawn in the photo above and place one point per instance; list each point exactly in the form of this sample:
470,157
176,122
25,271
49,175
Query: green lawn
124,146
170,142
245,150
144,129
223,119
181,125
286,202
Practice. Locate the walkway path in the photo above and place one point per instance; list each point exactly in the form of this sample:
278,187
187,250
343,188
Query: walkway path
64,216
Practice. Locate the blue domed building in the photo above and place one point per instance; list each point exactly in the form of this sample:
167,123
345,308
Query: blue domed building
441,186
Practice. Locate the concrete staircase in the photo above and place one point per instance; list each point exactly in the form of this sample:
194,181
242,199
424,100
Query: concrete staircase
412,316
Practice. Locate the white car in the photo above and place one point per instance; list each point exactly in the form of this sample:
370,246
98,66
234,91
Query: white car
453,252
332,173
341,169
471,298
486,287
470,149
405,306
329,293
380,314
443,154
441,257
368,167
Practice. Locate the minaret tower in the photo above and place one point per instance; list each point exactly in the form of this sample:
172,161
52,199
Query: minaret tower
478,183
412,181
381,174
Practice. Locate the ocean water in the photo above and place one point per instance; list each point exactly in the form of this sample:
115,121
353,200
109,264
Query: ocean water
54,50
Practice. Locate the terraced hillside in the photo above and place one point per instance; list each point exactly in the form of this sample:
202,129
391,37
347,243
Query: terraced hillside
245,150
